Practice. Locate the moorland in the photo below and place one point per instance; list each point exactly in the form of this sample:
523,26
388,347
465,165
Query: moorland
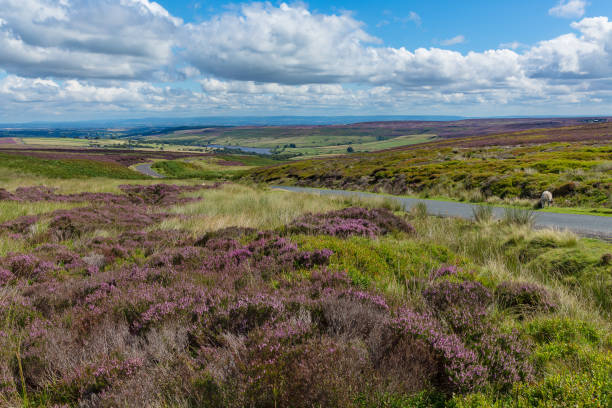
574,163
211,290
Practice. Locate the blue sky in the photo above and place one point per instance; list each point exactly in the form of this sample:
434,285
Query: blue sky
486,24
76,59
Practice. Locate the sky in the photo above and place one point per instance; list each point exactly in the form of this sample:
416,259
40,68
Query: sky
68,60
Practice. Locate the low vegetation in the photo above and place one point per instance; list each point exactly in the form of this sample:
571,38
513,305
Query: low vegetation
211,168
65,167
225,295
511,169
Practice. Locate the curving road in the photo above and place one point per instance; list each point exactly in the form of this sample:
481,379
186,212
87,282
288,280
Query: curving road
587,225
146,169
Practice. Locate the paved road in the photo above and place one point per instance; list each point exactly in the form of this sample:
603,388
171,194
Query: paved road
587,225
146,169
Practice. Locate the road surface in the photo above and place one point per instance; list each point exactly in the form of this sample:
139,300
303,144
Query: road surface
587,225
146,169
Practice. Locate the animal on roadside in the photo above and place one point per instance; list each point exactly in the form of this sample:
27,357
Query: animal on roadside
546,199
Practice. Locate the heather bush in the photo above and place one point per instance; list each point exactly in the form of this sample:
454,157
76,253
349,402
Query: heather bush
524,298
350,221
21,225
464,307
6,276
70,224
443,271
136,315
27,266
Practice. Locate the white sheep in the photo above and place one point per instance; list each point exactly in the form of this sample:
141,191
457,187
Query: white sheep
546,199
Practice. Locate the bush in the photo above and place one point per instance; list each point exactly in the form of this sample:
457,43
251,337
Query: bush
349,222
524,298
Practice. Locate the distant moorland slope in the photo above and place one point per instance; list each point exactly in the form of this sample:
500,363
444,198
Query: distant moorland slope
573,162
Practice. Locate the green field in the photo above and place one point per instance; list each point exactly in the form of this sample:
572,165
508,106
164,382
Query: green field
211,168
65,168
298,142
76,143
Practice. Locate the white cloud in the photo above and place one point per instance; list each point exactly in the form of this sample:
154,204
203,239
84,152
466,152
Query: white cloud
459,39
85,39
286,44
569,56
569,9
80,55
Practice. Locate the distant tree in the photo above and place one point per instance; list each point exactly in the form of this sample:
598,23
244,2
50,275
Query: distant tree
350,149
292,145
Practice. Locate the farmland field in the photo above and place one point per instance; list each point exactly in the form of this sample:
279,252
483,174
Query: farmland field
131,293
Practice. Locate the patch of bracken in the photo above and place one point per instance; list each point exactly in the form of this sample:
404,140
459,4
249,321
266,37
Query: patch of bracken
350,221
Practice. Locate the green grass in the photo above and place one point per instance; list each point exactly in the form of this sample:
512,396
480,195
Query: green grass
216,167
12,209
66,168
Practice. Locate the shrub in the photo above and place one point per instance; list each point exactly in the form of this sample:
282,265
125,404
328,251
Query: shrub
525,298
350,221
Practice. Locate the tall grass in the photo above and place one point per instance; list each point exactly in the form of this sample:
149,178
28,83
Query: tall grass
482,213
519,216
12,209
247,206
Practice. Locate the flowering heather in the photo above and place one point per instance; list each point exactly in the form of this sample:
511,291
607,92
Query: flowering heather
238,317
350,221
524,297
26,266
462,369
463,304
20,225
464,307
5,276
446,270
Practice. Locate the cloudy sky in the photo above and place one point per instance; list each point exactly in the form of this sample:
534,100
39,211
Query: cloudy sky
98,59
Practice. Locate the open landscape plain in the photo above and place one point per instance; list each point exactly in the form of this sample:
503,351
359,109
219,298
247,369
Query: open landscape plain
305,204
208,288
